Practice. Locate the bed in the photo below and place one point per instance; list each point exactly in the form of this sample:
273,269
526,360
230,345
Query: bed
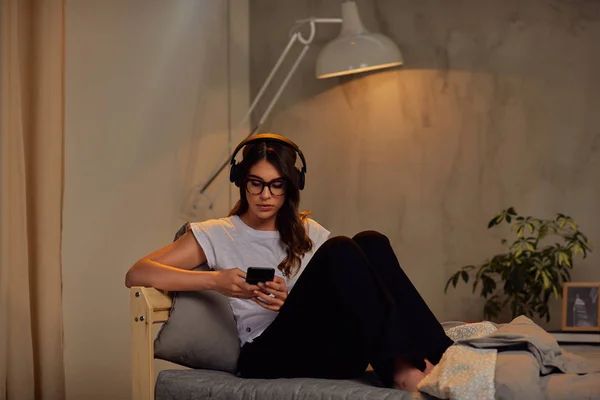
522,361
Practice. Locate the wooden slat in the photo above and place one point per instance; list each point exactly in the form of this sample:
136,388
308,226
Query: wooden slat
148,306
160,316
157,300
141,363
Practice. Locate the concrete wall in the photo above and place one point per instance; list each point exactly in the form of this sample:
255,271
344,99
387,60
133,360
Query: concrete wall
148,111
496,106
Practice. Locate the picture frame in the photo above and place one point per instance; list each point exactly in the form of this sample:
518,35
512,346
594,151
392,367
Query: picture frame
581,307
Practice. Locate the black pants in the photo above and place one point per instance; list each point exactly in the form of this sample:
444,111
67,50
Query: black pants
353,305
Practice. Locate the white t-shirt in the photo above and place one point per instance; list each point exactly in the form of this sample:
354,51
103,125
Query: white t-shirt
230,243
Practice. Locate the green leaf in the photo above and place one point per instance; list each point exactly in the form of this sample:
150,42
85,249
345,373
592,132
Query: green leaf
564,259
543,231
518,253
489,285
465,276
511,211
450,280
533,241
495,221
546,280
530,246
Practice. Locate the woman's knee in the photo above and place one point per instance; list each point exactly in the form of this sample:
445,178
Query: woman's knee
341,243
343,252
370,238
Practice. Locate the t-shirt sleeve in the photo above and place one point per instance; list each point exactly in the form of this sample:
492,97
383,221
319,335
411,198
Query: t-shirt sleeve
317,233
205,236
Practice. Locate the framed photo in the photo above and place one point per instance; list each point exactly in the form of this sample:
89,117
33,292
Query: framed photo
580,308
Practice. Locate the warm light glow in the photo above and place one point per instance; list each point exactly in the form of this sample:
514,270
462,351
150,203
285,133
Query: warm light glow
359,70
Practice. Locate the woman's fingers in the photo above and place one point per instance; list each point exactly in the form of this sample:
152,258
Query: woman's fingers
267,298
245,285
272,307
265,305
276,293
274,289
241,293
281,283
271,303
272,294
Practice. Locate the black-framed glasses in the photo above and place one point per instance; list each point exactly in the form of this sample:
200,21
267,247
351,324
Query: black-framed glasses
257,185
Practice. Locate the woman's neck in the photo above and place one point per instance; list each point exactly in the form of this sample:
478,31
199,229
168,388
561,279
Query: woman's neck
257,223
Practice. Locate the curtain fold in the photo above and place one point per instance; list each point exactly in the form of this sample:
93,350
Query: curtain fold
31,191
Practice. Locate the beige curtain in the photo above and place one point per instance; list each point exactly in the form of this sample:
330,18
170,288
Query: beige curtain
31,187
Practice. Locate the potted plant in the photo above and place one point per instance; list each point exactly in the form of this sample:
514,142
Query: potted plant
532,269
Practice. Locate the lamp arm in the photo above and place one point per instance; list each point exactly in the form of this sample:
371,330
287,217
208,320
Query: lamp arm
261,92
320,20
296,36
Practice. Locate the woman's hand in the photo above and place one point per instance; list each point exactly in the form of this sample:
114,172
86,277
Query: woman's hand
232,283
277,288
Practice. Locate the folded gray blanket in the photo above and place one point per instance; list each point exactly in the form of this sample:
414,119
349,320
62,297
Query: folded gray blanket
523,333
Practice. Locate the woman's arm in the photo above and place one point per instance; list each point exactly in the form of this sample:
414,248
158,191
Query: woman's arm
169,268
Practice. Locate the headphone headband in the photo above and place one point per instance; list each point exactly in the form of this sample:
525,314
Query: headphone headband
268,137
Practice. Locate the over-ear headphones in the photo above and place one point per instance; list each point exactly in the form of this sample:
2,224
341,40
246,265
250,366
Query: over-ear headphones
235,171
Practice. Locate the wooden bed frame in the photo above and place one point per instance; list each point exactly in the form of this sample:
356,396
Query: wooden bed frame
149,306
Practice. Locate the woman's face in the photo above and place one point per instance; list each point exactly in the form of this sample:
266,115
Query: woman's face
263,203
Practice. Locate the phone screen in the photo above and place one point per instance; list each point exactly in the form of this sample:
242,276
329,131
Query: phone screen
255,275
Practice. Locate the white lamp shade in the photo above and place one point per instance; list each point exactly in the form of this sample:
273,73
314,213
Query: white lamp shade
356,49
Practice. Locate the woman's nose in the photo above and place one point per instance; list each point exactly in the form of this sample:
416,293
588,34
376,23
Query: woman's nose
266,193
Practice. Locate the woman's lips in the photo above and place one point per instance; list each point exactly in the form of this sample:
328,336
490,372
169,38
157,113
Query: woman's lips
264,207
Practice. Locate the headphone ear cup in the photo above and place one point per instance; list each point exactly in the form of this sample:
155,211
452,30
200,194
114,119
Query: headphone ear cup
300,175
233,174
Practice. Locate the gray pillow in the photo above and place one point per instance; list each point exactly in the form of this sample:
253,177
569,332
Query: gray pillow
201,332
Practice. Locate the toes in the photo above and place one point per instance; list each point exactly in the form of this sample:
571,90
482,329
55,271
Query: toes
428,367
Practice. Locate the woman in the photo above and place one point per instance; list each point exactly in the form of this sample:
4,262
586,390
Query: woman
351,303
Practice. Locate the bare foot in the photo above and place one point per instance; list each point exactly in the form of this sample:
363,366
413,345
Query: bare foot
407,376
428,367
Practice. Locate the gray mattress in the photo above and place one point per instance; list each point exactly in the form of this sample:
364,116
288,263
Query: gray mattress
215,385
531,372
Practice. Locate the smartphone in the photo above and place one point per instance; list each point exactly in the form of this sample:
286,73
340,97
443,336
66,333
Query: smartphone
259,274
